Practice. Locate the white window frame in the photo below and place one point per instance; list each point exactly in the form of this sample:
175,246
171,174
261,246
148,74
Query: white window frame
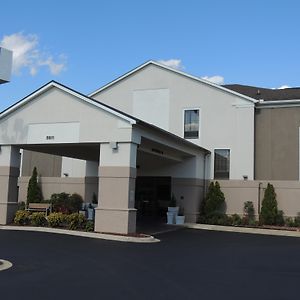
230,160
199,126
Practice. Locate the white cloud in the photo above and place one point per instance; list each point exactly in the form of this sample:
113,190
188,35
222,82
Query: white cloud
172,63
55,68
27,54
283,87
214,79
177,64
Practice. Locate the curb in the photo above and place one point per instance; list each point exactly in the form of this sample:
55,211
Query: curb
261,231
95,235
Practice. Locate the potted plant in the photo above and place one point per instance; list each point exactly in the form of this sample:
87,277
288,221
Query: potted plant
90,212
173,205
172,210
180,217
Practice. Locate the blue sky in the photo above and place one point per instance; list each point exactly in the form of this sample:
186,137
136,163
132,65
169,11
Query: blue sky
85,44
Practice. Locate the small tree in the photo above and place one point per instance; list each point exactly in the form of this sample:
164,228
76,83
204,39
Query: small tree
34,193
214,200
269,210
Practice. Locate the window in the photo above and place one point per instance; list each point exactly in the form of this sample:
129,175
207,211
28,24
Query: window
222,164
191,124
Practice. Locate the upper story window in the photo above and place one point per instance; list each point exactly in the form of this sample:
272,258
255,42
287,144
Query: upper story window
191,123
222,164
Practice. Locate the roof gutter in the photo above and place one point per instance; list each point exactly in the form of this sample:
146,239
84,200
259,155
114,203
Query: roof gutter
278,103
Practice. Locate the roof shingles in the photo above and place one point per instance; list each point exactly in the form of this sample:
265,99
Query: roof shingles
265,93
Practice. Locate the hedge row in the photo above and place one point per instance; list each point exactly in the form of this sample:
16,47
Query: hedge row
237,220
74,221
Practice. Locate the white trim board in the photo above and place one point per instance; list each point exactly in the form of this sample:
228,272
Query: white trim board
155,63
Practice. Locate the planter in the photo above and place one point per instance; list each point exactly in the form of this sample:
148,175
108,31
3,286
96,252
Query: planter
170,218
90,214
174,210
180,220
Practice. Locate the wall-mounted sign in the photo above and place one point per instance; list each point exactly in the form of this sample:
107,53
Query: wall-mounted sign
5,65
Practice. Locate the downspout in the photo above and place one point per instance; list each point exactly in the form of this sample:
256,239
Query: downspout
204,175
258,203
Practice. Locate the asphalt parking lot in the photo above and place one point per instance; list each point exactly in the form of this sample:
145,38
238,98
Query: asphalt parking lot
186,264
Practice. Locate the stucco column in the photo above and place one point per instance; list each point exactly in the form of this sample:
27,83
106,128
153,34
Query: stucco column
116,197
9,173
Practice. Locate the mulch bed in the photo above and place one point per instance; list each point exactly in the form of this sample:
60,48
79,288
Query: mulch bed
286,228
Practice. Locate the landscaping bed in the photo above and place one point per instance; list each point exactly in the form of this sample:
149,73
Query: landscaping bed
269,216
73,221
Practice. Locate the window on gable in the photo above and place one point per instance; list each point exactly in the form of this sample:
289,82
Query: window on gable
191,124
222,164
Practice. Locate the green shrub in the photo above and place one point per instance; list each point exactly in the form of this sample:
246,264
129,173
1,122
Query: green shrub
22,217
34,193
249,210
89,226
236,220
280,218
269,208
76,221
297,220
75,203
21,205
38,219
173,201
253,222
66,203
245,220
218,218
290,222
214,200
60,202
56,219
202,219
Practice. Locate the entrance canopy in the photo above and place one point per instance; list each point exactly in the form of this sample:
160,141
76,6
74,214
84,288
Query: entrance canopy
58,120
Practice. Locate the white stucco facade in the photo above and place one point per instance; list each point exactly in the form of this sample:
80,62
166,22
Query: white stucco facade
106,144
159,96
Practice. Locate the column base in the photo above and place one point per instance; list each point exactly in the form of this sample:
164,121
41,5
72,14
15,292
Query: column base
7,212
113,220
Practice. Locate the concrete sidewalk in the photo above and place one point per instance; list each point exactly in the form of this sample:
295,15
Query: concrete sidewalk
263,231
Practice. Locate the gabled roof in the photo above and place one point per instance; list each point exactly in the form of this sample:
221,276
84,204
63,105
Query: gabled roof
132,120
66,89
151,62
266,94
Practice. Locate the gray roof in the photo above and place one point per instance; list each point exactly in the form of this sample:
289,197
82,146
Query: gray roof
265,93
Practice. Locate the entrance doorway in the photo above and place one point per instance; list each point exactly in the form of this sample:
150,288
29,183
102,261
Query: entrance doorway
152,196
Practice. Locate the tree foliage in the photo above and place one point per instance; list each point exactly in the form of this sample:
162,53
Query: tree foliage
66,203
34,193
214,200
269,210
